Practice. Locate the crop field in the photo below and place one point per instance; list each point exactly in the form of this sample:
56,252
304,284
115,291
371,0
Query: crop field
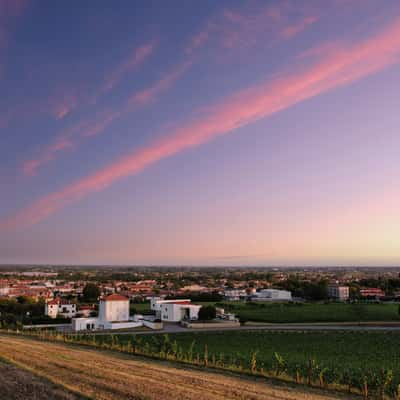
313,312
363,361
105,375
307,312
352,350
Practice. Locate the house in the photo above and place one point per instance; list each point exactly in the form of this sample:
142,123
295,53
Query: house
174,310
113,314
235,294
85,311
60,307
338,292
272,295
372,293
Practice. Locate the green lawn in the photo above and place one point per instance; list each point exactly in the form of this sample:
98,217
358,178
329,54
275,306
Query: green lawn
299,312
313,312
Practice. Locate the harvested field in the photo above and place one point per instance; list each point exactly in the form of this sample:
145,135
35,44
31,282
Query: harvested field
112,376
18,384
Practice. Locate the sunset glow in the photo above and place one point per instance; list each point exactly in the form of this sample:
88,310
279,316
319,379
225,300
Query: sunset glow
250,133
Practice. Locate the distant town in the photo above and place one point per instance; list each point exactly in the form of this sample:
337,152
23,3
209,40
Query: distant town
101,298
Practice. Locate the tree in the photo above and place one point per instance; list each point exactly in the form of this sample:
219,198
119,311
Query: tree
207,313
91,292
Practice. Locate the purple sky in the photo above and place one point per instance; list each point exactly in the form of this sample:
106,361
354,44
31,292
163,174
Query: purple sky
200,133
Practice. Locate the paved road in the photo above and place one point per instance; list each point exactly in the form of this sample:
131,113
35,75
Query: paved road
174,328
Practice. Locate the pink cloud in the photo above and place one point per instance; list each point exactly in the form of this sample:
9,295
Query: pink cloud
97,124
293,30
199,40
137,57
30,167
260,25
151,93
342,66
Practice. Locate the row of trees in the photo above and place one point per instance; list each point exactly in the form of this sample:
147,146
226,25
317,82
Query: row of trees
22,310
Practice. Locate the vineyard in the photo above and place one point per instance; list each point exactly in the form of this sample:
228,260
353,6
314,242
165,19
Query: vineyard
362,363
113,375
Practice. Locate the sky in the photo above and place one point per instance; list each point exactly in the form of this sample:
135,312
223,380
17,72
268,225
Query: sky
200,133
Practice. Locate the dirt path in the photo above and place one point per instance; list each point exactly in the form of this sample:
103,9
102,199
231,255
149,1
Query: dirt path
108,376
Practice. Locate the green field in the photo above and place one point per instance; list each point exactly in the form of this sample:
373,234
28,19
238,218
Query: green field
304,312
313,312
353,350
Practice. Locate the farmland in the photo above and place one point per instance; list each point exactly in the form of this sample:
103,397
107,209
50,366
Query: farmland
353,350
113,376
362,361
313,312
18,384
303,312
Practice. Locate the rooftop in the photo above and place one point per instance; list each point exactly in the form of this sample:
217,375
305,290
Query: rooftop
115,297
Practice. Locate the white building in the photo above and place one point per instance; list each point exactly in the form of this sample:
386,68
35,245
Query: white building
113,314
174,310
114,308
235,294
338,292
60,307
272,295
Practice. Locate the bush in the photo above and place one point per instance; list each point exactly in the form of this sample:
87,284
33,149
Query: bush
207,313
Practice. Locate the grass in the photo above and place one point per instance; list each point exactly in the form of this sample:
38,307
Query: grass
313,312
19,384
307,312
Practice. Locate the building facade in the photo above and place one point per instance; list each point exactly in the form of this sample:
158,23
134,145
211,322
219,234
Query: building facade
338,292
59,307
174,310
272,295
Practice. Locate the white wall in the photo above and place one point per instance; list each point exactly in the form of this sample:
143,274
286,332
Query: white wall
81,324
114,310
274,294
172,312
51,310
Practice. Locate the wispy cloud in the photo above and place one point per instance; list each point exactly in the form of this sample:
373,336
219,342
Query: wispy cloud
63,98
138,56
334,69
290,31
231,29
246,27
98,122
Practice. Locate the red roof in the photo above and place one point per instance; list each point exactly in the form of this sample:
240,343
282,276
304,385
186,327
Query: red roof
86,307
115,297
182,302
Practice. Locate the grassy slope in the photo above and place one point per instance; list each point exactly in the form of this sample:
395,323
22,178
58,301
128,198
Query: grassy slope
372,350
112,376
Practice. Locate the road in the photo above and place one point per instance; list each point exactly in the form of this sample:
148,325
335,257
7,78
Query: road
175,328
